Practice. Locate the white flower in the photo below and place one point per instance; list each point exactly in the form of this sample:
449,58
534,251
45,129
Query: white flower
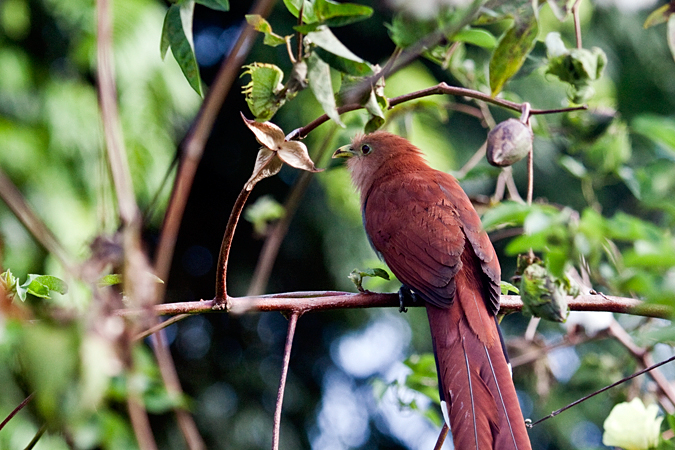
631,426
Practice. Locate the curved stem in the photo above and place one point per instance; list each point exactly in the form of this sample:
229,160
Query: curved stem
223,257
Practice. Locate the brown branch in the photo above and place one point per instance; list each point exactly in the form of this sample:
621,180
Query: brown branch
440,89
292,323
306,301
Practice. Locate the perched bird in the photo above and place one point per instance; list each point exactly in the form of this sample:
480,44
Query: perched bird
423,225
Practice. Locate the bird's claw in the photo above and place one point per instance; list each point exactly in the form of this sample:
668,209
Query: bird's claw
405,293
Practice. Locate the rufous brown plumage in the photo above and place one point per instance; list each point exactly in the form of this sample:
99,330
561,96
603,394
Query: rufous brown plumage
425,228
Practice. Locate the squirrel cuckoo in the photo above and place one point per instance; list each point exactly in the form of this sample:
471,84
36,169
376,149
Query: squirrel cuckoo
423,225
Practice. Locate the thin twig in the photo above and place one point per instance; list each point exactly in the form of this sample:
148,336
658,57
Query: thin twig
224,256
327,300
16,410
37,437
17,203
442,436
440,89
577,22
623,380
160,326
292,323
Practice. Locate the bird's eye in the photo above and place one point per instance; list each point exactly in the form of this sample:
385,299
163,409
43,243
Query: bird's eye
365,149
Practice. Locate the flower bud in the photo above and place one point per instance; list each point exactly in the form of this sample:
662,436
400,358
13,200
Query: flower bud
508,143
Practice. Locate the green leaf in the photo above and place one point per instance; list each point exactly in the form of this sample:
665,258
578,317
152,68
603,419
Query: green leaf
177,34
507,287
332,51
262,92
657,128
573,166
542,294
262,212
42,285
111,279
335,14
358,275
611,151
476,36
511,52
512,213
218,5
373,124
10,285
308,15
263,26
577,66
423,377
318,75
660,15
404,30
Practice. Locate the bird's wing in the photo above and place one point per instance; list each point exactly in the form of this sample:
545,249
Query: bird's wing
419,222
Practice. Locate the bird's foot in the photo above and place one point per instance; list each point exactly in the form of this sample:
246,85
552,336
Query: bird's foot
405,293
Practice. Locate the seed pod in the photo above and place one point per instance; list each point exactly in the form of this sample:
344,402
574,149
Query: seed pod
508,143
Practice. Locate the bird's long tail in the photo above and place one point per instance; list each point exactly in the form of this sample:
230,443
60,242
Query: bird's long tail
474,376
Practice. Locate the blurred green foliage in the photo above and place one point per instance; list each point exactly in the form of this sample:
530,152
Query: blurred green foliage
603,185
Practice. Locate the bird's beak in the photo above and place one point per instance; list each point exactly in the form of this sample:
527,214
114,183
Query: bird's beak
344,152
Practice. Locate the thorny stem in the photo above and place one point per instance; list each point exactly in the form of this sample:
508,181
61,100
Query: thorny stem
292,323
226,245
17,409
